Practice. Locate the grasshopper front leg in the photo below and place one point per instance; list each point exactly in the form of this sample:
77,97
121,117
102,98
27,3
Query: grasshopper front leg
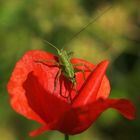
56,79
42,61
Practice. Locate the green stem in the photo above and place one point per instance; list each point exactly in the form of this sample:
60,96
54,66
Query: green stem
66,137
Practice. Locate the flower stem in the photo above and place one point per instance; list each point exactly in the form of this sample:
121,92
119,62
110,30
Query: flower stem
66,137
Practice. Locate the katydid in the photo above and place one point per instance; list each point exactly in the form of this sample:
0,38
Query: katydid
66,67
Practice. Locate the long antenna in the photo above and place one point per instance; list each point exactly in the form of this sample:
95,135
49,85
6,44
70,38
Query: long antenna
51,45
92,20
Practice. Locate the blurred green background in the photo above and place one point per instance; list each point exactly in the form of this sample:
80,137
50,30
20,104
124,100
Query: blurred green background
24,24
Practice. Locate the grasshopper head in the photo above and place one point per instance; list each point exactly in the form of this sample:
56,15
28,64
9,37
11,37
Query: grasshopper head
62,52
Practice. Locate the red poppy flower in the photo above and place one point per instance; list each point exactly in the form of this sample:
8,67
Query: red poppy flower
32,94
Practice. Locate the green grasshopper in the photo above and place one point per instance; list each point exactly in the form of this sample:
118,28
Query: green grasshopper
65,66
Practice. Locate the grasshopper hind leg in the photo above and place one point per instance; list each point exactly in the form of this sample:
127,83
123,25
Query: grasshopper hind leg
74,87
56,79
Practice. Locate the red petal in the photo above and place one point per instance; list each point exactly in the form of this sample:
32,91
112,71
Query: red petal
104,89
125,107
65,124
89,113
39,130
105,85
19,75
48,106
90,90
